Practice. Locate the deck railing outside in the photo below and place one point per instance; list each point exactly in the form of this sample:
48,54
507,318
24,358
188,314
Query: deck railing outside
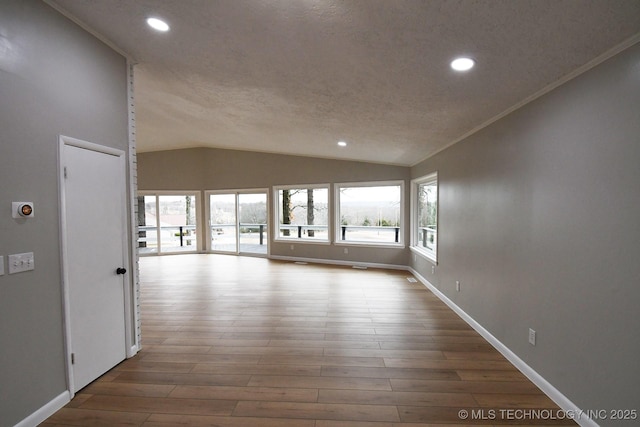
184,235
360,233
427,236
171,235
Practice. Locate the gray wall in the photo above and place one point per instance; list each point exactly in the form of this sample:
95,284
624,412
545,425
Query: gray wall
54,79
202,169
540,221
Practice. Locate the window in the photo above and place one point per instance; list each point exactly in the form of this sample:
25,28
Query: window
252,225
147,225
370,213
302,213
222,223
238,222
167,223
424,201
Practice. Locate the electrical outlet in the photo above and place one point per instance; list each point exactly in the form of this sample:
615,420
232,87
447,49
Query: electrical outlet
346,250
532,337
433,269
291,247
458,285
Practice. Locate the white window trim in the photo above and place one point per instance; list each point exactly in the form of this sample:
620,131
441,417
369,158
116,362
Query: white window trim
414,247
276,216
157,194
207,216
338,226
236,192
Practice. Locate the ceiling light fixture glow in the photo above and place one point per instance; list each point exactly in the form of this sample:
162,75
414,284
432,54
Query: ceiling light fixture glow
462,64
158,24
342,144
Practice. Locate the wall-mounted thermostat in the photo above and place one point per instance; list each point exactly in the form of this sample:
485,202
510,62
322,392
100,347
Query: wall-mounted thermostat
22,209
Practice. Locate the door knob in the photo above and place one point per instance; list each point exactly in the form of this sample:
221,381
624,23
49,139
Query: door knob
121,270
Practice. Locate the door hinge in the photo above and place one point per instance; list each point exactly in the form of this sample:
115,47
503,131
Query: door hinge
65,171
73,358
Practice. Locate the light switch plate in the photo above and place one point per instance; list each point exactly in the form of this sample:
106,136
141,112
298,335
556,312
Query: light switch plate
21,262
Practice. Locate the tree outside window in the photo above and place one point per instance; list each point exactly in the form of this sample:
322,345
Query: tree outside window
303,213
425,224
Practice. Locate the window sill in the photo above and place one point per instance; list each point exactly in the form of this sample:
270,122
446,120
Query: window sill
370,244
424,254
301,241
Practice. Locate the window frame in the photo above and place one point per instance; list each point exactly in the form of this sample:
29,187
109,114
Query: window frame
207,219
278,207
338,226
236,193
414,246
198,217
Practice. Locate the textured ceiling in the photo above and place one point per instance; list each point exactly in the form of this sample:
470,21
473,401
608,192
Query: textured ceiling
296,76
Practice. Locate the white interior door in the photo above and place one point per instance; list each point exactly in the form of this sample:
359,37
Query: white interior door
94,211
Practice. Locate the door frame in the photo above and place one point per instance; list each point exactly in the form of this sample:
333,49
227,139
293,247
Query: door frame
129,303
207,220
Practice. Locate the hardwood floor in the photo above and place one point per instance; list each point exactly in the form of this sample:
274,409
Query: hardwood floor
236,342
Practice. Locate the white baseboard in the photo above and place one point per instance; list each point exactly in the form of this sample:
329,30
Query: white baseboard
553,393
46,411
339,262
133,350
57,403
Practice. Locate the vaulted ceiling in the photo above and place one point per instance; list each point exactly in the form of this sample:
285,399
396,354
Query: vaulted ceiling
297,76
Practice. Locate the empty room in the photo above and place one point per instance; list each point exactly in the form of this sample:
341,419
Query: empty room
319,213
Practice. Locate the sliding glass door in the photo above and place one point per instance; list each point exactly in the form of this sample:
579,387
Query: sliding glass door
167,223
223,223
252,212
238,222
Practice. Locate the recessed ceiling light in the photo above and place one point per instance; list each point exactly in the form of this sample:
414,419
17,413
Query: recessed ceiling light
342,144
462,64
158,24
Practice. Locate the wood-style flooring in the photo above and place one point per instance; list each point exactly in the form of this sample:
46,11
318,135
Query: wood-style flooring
238,342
